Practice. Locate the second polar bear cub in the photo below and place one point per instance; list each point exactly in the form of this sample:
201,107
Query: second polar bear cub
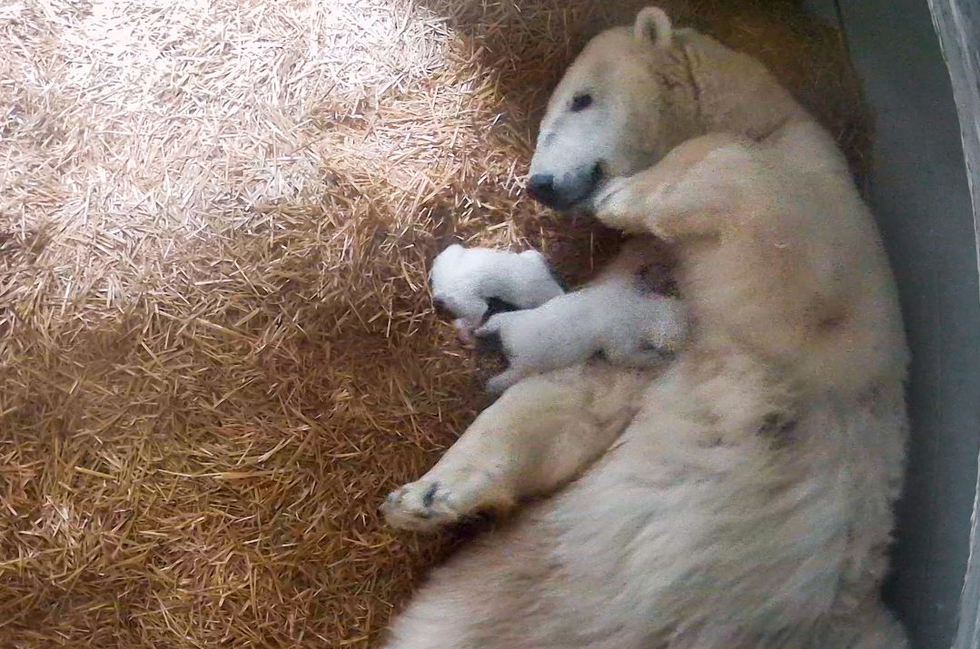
628,315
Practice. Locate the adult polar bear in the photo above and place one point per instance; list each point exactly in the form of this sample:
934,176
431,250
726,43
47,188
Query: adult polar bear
748,500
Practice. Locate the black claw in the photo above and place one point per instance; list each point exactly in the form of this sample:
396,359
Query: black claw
430,494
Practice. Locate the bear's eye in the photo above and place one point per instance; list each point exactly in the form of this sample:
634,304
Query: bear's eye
581,101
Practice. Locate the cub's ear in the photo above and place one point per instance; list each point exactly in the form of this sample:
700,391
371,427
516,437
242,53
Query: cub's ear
653,26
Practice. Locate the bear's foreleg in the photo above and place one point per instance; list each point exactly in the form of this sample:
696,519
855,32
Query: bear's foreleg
695,190
540,434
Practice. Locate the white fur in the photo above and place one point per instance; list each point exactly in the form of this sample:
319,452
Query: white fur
743,498
616,316
463,279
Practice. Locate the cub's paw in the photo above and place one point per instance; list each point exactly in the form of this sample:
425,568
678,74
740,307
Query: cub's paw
421,506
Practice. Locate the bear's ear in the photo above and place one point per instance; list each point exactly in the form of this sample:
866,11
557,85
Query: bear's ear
653,25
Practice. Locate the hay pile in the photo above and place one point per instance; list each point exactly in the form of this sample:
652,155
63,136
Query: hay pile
217,352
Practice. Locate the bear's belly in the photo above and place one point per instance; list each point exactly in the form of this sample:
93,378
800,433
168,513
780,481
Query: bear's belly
689,524
705,521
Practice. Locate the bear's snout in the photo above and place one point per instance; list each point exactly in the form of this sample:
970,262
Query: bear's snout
567,192
541,187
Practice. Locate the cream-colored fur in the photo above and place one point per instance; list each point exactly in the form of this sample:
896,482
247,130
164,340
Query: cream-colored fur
743,498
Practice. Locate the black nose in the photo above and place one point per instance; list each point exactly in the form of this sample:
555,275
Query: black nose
541,187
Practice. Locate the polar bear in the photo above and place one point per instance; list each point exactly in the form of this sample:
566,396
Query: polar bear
466,281
629,314
742,497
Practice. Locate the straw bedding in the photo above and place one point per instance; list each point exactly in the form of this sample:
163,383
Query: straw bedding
217,351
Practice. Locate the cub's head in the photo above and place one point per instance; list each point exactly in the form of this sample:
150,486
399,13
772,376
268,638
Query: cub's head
614,112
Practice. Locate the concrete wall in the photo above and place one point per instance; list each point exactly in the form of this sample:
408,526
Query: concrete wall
920,193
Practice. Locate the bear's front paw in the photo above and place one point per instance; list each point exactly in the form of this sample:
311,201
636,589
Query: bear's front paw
420,506
428,504
617,206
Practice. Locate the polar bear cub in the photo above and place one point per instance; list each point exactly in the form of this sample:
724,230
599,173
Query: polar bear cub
466,280
624,316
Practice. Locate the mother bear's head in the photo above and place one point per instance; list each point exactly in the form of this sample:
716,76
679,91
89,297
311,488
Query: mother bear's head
633,94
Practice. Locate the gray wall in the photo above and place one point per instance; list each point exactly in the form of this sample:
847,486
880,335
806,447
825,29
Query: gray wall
920,194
